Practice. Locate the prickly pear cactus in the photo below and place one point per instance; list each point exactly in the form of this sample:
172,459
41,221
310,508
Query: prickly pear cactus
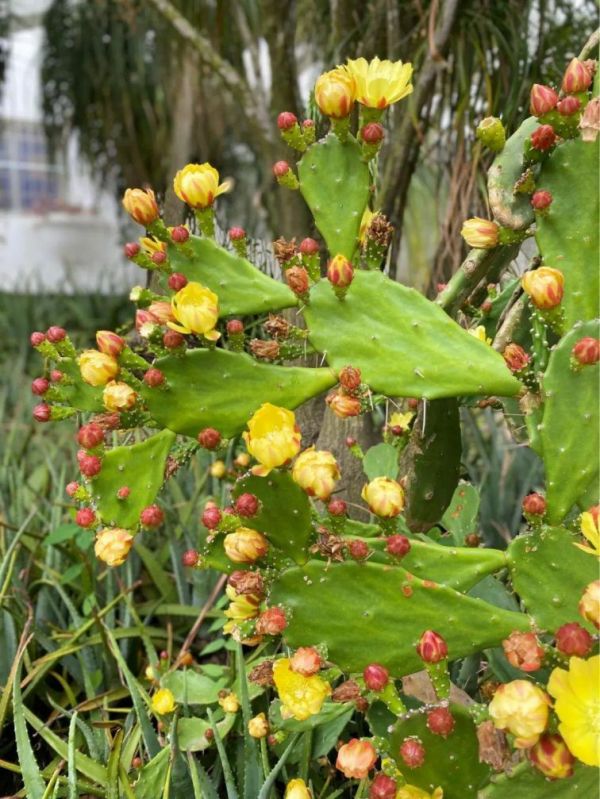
401,611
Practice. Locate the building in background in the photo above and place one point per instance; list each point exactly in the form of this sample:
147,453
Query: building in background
59,231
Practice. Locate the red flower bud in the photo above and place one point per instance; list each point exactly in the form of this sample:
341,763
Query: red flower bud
39,386
397,545
568,105
286,120
72,488
587,351
152,516
340,272
55,334
177,281
372,133
246,505
190,557
209,438
376,677
237,233
440,721
123,492
412,752
358,550
383,787
235,327
350,378
37,338
309,246
577,77
280,169
543,138
56,375
85,517
180,234
534,505
131,249
540,200
573,640
337,507
90,435
308,123
172,339
158,257
271,622
297,279
42,412
89,465
154,378
211,517
542,99
431,647
515,357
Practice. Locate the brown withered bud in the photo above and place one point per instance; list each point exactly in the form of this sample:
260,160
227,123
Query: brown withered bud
262,674
284,250
278,327
349,691
330,546
171,466
107,421
267,350
247,582
380,231
493,748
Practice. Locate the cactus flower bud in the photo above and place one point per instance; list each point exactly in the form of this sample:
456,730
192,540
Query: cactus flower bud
180,234
237,233
545,287
574,640
72,488
154,378
90,435
39,386
131,249
577,77
247,583
37,338
141,206
316,472
334,93
56,375
297,280
523,651
118,396
542,99
172,339
198,185
42,412
306,661
340,272
358,550
568,106
258,727
295,789
383,787
480,233
176,282
521,708
587,351
356,758
543,138
123,492
235,327
440,721
384,496
412,752
286,120
109,343
337,507
85,517
112,545
152,516
245,545
551,756
491,134
218,469
515,357
281,169
397,545
89,465
247,505
308,246
372,133
209,438
589,123
97,368
589,604
540,200
159,257
534,505
350,378
343,405
431,647
211,517
56,334
272,621
376,677
163,702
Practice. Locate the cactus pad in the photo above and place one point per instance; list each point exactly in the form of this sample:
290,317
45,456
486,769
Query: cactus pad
530,784
508,208
79,394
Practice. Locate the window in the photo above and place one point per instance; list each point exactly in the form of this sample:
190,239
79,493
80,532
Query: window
28,182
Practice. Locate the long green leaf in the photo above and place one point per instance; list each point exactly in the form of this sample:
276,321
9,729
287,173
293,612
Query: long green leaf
113,767
270,781
32,776
71,769
203,787
225,764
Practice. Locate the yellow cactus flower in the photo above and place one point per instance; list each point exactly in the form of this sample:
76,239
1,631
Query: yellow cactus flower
118,396
141,206
482,234
150,245
163,702
334,93
296,789
412,792
229,701
241,607
577,705
97,368
218,469
272,437
196,310
245,545
365,224
401,419
589,604
198,185
384,496
591,531
479,332
113,545
316,471
380,83
520,707
258,727
301,697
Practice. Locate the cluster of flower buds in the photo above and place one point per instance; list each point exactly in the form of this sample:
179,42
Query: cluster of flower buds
297,136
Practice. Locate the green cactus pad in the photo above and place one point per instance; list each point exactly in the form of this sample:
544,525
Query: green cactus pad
567,233
404,345
284,515
430,463
141,468
460,519
368,612
221,389
335,183
550,574
528,783
241,288
510,209
79,394
569,434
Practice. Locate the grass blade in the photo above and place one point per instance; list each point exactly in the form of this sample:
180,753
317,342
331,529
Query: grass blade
225,764
35,786
113,767
270,781
203,787
71,770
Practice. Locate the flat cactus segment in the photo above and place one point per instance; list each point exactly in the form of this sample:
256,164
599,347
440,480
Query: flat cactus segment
403,344
368,612
335,182
221,389
567,233
284,515
241,287
140,467
529,783
460,518
550,574
79,394
510,209
569,435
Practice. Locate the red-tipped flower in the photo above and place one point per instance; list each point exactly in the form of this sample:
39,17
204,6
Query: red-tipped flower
515,357
110,343
534,505
440,721
152,516
412,752
237,233
286,120
573,640
542,99
540,200
158,257
340,272
551,756
39,386
587,351
397,545
85,517
90,435
376,677
281,168
247,505
177,281
209,438
431,647
154,378
543,138
577,77
235,327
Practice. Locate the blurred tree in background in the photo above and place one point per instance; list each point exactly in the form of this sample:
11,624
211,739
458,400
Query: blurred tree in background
150,85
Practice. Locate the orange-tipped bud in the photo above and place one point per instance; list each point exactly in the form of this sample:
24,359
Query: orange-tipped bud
306,661
432,648
109,343
356,758
577,77
344,405
551,756
480,233
589,604
545,287
542,99
334,93
587,351
245,545
141,206
340,272
515,357
384,496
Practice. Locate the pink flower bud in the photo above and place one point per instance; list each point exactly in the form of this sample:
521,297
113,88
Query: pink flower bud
211,517
237,234
42,412
573,640
542,99
90,435
131,249
56,375
397,545
372,133
209,438
158,257
154,378
306,661
85,517
587,351
431,647
39,386
286,120
55,334
534,505
376,677
340,272
440,721
577,77
235,327
297,279
246,505
358,550
180,234
412,752
177,281
172,339
337,507
72,488
37,338
309,246
543,138
89,465
383,787
123,492
271,622
190,557
568,106
350,378
152,516
110,343
280,169
308,123
540,200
